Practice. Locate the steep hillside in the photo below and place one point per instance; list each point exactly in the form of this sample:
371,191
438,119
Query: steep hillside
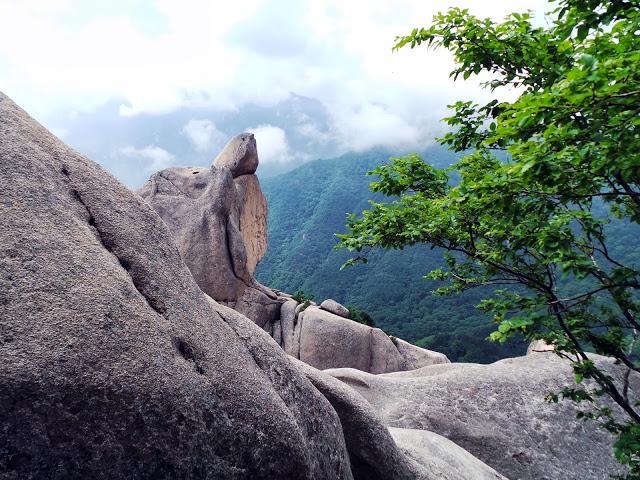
308,206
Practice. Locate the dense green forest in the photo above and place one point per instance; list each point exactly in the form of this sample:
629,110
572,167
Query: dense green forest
308,206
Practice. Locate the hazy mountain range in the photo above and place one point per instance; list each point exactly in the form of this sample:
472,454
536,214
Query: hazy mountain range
289,133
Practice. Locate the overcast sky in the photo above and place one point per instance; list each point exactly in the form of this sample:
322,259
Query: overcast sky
63,58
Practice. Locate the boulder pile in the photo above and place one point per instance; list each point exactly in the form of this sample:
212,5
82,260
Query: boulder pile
497,412
113,362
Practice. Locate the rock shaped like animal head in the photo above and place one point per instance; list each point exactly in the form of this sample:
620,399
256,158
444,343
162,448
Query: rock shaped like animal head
240,155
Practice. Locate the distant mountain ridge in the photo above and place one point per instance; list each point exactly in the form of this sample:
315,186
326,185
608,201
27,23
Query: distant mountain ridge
308,206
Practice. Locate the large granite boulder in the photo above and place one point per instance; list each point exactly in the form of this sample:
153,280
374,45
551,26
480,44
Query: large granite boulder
325,340
240,155
334,307
113,363
200,207
219,224
498,413
440,456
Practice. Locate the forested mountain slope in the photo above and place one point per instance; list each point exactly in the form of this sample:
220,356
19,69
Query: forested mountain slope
308,206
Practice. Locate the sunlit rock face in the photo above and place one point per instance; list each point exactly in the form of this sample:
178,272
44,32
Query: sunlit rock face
240,155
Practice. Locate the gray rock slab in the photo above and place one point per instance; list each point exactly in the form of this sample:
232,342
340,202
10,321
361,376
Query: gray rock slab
325,340
498,413
334,307
441,457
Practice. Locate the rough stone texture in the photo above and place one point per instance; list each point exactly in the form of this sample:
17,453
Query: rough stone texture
498,413
334,307
253,218
441,457
219,226
287,321
113,363
277,332
240,155
375,455
325,340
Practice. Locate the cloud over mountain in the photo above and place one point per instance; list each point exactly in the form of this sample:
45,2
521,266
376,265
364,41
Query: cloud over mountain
222,63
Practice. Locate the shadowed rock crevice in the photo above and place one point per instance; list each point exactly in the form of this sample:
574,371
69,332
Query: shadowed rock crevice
187,352
103,239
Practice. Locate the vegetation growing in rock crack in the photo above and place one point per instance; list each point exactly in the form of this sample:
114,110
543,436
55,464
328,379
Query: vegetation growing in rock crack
534,224
301,297
360,316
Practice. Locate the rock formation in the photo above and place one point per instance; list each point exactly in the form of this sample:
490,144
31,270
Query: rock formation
239,155
218,220
334,307
217,216
325,340
373,451
497,412
113,363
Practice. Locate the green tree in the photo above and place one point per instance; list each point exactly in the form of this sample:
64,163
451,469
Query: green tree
528,208
360,316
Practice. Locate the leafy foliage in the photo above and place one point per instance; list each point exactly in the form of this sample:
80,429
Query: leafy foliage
535,225
301,296
360,316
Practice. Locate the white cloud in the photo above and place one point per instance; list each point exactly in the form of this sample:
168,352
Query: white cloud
313,133
203,135
370,125
272,144
206,53
153,157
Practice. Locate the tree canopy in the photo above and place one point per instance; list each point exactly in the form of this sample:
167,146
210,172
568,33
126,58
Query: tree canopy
528,208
